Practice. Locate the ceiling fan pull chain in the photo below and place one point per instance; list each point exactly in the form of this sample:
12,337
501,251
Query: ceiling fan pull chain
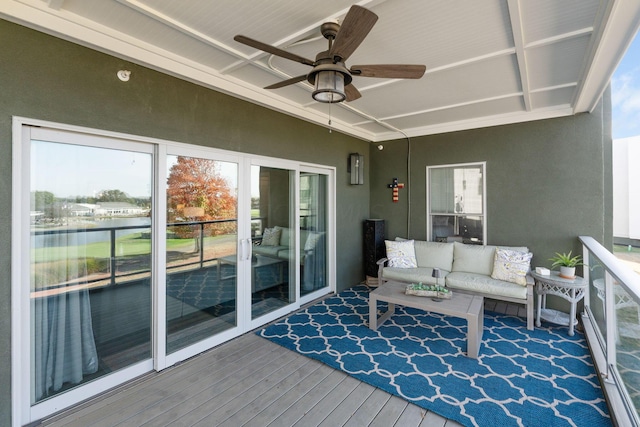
330,116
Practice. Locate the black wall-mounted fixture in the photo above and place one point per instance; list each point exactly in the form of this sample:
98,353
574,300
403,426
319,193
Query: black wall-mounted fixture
356,168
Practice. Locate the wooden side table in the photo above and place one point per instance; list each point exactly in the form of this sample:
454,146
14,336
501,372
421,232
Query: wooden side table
570,289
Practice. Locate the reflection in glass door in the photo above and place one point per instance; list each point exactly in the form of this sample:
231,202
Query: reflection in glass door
273,260
202,235
313,232
90,263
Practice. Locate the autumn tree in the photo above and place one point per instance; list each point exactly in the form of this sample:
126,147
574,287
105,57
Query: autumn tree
195,182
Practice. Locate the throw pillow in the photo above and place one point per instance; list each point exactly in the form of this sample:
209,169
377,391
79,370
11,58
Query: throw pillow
511,266
271,237
312,241
401,254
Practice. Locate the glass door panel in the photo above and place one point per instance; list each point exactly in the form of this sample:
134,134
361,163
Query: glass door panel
90,263
273,260
313,232
202,236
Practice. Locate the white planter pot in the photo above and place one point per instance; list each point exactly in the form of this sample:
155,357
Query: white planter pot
568,272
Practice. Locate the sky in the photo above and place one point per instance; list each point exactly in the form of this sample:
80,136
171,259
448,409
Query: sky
625,94
69,170
72,170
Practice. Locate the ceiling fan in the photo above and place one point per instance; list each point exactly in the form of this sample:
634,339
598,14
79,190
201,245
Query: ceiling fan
329,75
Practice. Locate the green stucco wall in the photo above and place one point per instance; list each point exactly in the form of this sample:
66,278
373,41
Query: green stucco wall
46,78
548,181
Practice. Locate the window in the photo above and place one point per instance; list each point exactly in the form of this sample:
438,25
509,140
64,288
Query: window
456,203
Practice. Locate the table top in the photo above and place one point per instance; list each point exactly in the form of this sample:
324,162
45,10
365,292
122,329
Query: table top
459,304
555,279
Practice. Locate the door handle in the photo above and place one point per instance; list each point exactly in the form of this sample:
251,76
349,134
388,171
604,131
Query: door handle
248,249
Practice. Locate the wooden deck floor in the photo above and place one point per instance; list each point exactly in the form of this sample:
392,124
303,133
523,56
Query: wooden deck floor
250,381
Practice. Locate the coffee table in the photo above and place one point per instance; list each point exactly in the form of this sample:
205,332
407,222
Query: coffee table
469,307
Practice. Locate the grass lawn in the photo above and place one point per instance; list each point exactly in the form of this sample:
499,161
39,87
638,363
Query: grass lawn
129,245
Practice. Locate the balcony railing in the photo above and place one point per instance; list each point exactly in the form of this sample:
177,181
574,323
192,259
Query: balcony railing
112,272
612,325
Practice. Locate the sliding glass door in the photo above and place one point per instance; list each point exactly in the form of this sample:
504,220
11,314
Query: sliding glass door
133,256
90,258
314,213
273,236
201,249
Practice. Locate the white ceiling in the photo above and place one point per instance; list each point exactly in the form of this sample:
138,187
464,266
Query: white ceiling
489,62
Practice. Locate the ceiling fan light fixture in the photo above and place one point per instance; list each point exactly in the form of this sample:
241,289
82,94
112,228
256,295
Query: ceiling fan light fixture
329,87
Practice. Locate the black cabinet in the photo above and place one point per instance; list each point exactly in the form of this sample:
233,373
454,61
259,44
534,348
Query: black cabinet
373,246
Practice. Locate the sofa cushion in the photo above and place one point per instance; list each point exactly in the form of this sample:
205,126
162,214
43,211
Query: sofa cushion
484,284
285,235
477,258
401,254
434,254
271,237
272,251
413,275
473,258
511,266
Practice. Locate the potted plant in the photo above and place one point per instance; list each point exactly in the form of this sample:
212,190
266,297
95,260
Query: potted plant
567,264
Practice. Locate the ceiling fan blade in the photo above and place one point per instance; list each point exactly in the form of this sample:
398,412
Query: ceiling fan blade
273,50
353,30
389,71
287,82
351,92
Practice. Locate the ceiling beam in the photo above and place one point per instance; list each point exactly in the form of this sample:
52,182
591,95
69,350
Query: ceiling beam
515,16
621,21
183,28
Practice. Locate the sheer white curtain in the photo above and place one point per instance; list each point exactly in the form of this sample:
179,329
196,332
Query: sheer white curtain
314,268
63,345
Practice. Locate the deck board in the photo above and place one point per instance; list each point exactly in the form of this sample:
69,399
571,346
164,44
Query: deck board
347,407
253,382
390,413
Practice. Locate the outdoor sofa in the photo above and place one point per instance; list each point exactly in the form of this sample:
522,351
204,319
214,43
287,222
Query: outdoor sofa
496,272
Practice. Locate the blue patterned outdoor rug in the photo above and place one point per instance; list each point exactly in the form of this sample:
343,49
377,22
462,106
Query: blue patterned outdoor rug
521,378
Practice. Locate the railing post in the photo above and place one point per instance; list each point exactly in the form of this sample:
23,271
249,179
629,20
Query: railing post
201,245
611,323
113,255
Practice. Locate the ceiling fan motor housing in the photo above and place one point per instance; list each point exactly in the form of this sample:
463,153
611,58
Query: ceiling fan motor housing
329,30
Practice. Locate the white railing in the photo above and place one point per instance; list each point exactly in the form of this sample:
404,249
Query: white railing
612,325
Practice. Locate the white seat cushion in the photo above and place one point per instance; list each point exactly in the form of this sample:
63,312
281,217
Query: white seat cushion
484,284
413,275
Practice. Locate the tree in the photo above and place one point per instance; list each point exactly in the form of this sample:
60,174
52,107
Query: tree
113,196
195,182
41,200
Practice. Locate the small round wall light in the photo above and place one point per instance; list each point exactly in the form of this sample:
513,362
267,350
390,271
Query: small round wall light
380,147
124,75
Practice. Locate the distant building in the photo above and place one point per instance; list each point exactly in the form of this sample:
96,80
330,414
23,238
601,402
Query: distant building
118,209
104,209
626,190
81,209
